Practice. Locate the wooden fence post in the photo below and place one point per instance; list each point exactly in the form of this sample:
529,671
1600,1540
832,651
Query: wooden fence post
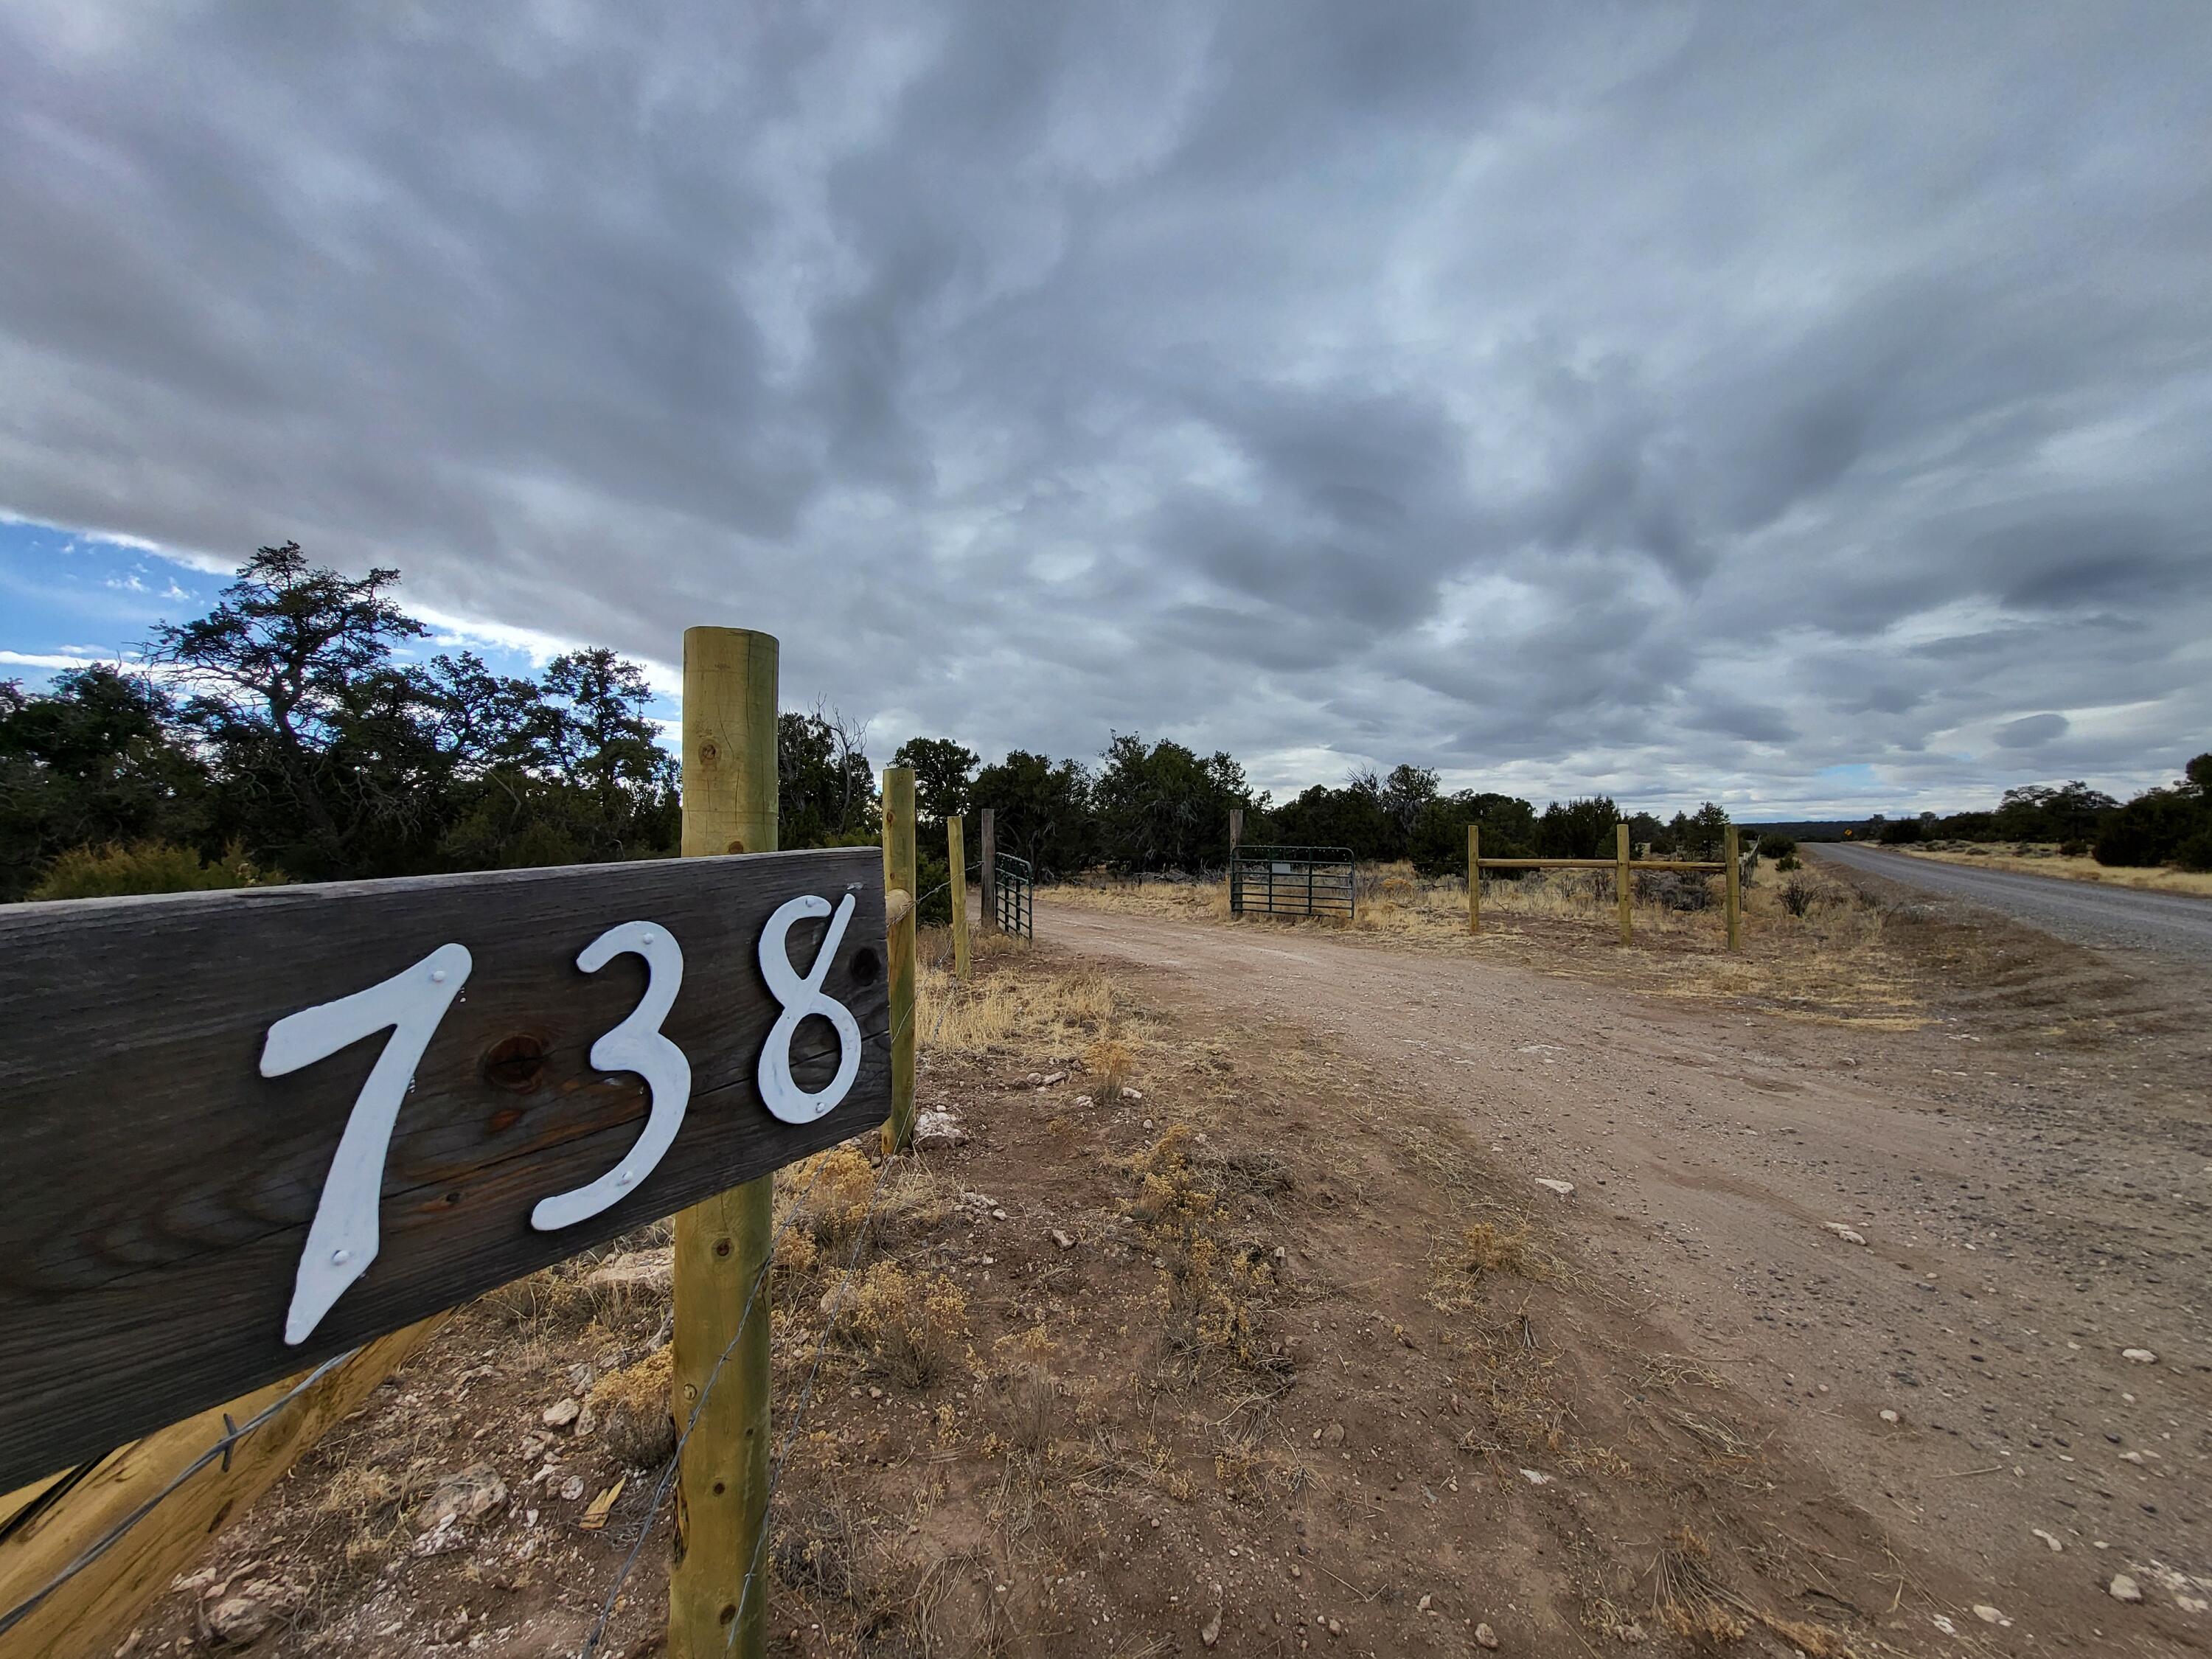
988,873
898,877
1621,880
1735,891
1235,840
1473,878
721,1244
955,836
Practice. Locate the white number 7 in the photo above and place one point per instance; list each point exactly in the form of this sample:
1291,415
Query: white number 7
343,1238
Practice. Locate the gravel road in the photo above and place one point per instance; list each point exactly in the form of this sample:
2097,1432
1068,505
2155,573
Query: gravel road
2027,1210
2165,924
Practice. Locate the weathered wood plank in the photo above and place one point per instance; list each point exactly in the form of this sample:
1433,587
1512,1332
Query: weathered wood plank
160,1189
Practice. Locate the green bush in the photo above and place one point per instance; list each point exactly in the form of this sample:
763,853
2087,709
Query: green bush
145,866
1788,861
1777,847
2195,853
2073,849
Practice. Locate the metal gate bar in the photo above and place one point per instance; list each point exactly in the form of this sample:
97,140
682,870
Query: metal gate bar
1014,885
1293,881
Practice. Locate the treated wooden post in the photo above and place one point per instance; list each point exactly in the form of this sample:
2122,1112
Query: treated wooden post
987,882
1473,878
722,1244
898,877
955,837
1735,891
40,1533
1621,880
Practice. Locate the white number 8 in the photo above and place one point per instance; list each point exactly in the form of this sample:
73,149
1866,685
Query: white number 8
780,1091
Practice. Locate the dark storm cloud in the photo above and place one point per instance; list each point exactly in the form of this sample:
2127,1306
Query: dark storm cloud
1691,398
2032,732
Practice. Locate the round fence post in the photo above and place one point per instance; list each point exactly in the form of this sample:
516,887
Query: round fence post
1620,879
1473,878
1735,890
898,877
986,873
955,840
721,1244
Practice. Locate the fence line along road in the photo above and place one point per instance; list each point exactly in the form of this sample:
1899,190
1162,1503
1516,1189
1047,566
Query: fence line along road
1622,866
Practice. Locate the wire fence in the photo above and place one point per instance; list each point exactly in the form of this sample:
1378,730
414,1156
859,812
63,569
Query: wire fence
224,1445
834,1306
233,1433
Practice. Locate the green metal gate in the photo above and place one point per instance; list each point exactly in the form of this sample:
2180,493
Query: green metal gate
1013,887
1293,881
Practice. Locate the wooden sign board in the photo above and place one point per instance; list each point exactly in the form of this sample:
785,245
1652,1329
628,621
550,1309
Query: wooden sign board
197,1195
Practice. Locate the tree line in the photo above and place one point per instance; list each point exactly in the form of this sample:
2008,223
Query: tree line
286,735
2170,823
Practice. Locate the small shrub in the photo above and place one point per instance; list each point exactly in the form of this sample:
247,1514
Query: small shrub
2195,853
2073,849
1788,862
1777,847
632,1405
913,1324
1108,1060
840,1185
1491,1249
115,871
1797,897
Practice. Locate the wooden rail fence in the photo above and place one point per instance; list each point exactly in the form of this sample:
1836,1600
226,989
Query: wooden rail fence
1624,868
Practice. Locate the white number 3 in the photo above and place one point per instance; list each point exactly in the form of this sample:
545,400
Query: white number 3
635,1045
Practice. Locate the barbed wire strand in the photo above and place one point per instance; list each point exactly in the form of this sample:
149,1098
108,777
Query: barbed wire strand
798,1413
821,1353
221,1449
675,1460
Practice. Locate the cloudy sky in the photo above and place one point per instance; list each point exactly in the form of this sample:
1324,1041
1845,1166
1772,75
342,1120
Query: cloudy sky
1810,407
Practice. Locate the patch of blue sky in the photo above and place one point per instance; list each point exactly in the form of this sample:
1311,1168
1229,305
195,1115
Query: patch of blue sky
69,598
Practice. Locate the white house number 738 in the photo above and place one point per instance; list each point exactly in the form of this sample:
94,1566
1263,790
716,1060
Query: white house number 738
342,1241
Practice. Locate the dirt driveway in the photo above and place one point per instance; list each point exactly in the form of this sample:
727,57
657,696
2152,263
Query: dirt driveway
2029,1179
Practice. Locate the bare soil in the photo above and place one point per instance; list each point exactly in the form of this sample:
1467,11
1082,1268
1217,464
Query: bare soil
1320,1366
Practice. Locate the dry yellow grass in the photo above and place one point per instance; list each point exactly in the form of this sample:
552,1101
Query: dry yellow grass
2038,859
1832,962
1062,1013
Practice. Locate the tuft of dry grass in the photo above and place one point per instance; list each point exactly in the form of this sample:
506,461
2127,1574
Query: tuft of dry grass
1491,1249
993,1010
912,1323
1216,1289
1109,1060
632,1405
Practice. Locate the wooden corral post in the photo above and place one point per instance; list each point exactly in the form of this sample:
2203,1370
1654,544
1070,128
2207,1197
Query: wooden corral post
1473,878
48,1525
987,871
1735,890
722,1244
898,878
1235,840
955,837
1620,879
